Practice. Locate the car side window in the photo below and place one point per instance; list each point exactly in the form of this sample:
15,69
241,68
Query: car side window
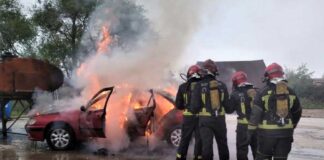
140,99
98,103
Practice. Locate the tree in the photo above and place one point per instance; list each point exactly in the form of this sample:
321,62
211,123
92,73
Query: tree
128,27
70,27
300,79
16,31
61,25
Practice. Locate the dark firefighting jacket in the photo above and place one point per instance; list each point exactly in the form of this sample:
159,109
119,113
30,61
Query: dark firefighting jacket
266,114
241,100
184,95
210,97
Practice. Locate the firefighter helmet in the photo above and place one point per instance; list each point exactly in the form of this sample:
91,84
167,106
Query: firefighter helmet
193,71
239,78
273,71
211,67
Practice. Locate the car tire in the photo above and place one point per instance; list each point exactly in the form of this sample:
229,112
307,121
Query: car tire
174,136
60,137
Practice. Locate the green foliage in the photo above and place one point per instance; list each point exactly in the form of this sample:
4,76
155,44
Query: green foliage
19,108
309,104
16,31
300,80
56,30
126,22
61,25
131,22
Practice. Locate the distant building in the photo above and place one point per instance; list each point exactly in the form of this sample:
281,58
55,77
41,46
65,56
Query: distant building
254,70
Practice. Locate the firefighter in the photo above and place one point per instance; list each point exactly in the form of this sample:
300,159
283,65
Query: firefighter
210,99
275,114
190,119
241,101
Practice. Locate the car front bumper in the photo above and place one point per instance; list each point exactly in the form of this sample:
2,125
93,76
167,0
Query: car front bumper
35,133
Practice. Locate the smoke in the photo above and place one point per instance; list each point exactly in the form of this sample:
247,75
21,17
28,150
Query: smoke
141,55
137,57
65,98
149,60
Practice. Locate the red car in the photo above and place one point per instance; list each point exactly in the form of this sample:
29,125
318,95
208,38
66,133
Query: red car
62,129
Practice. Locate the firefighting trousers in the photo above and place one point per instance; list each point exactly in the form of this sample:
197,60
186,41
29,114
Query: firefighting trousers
272,147
210,127
242,143
189,127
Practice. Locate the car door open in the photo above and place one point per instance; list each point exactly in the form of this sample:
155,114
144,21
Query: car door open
143,116
92,117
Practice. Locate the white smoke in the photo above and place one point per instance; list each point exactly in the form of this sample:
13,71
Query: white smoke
65,98
149,60
148,63
145,58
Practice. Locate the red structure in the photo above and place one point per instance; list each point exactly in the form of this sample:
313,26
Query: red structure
19,77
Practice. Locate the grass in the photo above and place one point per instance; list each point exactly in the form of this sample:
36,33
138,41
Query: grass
18,109
310,104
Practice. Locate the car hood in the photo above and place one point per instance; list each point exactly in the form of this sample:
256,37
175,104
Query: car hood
51,109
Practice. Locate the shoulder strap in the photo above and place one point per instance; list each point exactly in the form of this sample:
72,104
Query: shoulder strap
265,99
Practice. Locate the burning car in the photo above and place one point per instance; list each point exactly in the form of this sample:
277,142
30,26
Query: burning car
62,129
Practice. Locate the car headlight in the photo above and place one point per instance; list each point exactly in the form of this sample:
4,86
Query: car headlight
31,121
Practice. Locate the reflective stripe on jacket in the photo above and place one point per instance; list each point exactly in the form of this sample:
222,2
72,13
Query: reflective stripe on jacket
264,114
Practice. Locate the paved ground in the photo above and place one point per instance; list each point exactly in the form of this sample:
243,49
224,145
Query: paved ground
313,113
308,144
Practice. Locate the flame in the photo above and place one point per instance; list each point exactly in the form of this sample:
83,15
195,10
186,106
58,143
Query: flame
81,69
136,100
147,133
126,96
164,106
103,45
137,105
171,89
149,130
99,105
122,120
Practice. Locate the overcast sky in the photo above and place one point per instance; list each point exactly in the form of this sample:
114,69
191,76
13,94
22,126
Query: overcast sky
289,32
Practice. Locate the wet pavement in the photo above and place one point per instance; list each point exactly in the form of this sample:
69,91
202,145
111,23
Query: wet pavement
18,147
308,144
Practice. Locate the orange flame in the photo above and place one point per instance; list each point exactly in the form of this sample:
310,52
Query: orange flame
102,47
105,41
171,89
81,69
164,106
128,99
148,132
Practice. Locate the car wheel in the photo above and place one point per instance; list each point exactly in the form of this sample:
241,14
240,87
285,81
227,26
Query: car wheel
60,137
174,136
